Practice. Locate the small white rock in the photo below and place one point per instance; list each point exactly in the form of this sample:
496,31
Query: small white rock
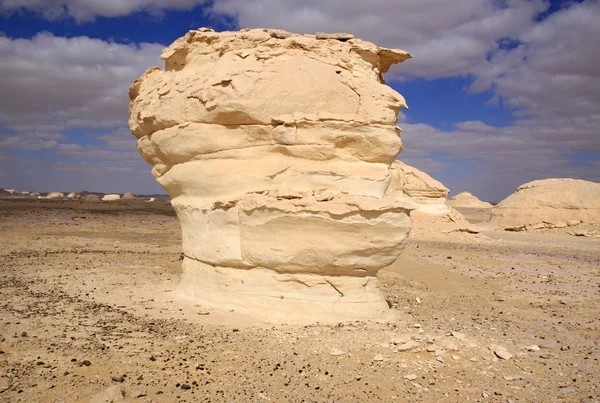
533,347
378,358
337,352
410,377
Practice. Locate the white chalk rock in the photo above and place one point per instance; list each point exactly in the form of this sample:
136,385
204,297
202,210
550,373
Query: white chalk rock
550,201
111,197
468,200
55,195
276,150
411,185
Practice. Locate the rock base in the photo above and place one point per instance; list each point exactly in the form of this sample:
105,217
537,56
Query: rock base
284,298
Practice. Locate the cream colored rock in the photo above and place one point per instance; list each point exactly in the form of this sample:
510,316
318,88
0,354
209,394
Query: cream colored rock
429,198
111,197
550,201
128,196
73,195
276,150
55,195
468,200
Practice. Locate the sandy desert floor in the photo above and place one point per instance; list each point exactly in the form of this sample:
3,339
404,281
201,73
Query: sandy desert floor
88,312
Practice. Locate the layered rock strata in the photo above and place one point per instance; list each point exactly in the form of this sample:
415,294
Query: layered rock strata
275,149
429,197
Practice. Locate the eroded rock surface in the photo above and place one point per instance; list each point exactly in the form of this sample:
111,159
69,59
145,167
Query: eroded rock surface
276,151
429,198
549,203
468,200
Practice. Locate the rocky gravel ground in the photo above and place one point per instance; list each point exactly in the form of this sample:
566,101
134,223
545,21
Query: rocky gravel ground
88,313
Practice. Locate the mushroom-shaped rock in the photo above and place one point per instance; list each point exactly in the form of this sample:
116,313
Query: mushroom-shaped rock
276,150
550,201
111,197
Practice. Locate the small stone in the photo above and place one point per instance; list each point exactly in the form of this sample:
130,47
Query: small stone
417,325
349,380
118,379
401,339
185,386
455,357
86,363
533,347
563,302
378,358
501,352
204,29
546,356
459,336
411,345
410,377
566,389
341,36
418,300
514,377
485,394
279,34
337,352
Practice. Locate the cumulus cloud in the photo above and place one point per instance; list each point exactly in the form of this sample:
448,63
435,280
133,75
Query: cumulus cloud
88,10
448,39
51,83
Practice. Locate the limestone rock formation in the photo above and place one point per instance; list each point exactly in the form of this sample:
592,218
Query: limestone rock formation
73,195
91,196
128,196
429,198
275,149
550,203
111,197
468,200
55,195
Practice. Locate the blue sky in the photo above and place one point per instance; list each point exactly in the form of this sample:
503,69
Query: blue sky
500,92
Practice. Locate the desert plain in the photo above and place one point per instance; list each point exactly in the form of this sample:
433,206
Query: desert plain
89,313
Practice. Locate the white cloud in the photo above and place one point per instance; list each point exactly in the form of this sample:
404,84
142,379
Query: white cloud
87,10
447,38
51,83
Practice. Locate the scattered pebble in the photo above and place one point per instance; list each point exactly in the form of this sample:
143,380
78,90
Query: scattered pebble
410,377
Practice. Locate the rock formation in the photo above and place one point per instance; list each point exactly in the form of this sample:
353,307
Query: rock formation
128,196
111,197
73,195
55,195
91,196
468,200
275,149
549,203
429,198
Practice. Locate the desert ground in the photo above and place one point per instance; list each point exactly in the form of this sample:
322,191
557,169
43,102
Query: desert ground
89,313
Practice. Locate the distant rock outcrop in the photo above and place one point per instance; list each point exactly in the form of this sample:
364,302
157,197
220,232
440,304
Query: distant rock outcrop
550,203
128,196
73,195
91,196
276,150
111,197
468,200
55,195
429,197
